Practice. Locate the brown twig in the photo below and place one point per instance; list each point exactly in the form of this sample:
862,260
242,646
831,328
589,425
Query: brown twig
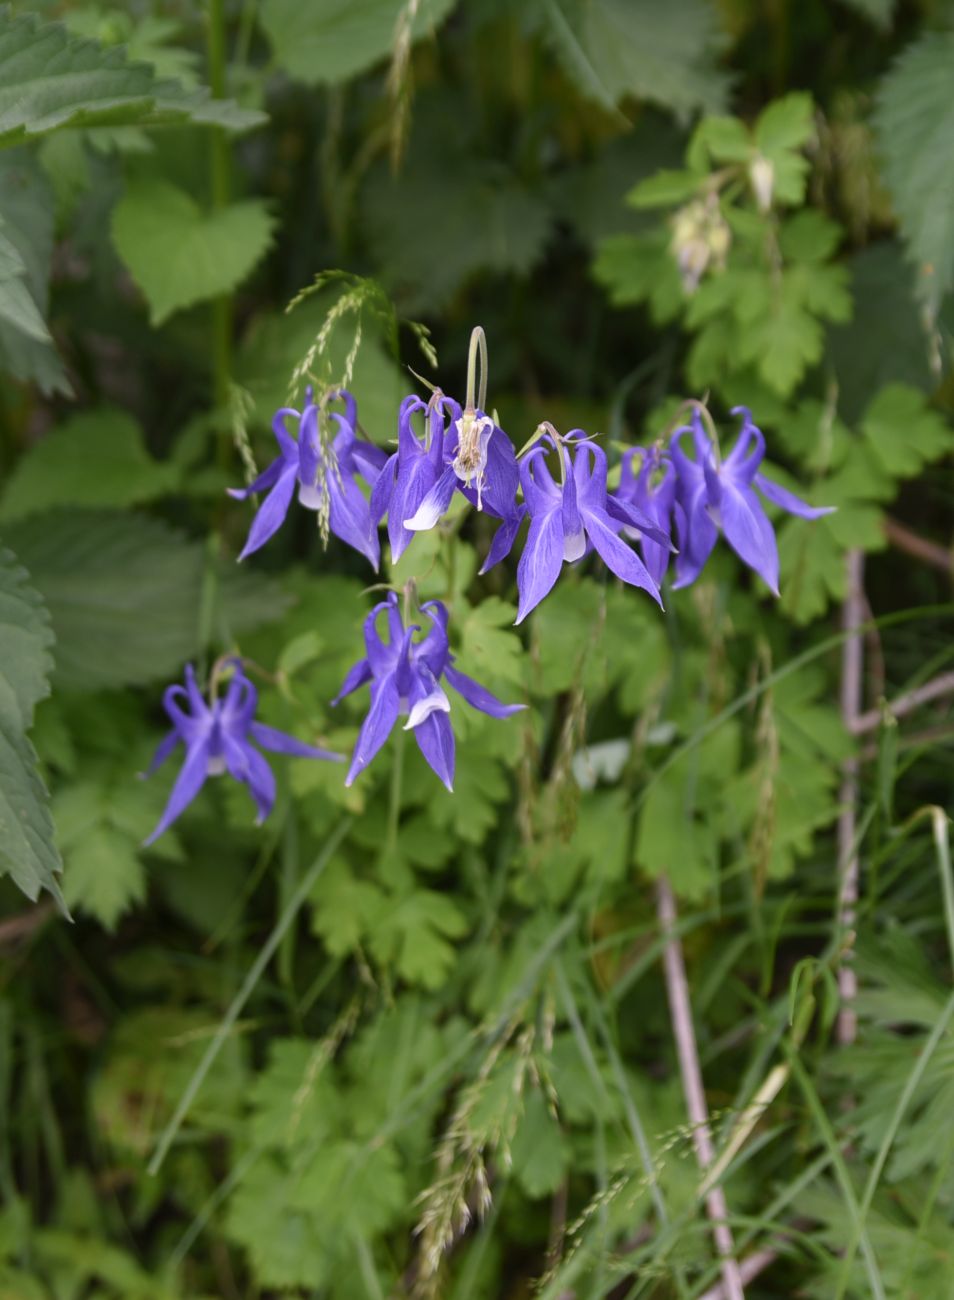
749,1269
935,689
680,1010
919,547
852,667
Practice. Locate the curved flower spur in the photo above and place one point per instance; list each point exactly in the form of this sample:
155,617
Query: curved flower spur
218,736
405,677
714,495
325,475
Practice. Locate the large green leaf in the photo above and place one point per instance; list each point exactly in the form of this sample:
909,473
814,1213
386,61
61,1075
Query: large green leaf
97,458
489,221
914,120
49,79
180,255
27,850
26,246
124,593
328,41
614,49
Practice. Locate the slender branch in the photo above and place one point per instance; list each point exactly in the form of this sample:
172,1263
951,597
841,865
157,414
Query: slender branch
938,557
852,667
935,689
749,1269
677,991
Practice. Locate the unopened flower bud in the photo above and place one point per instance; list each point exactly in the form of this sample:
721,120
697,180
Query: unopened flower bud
762,180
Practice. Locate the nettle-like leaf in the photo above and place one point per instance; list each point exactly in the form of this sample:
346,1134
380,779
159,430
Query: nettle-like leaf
123,592
26,246
96,458
914,120
50,79
180,255
886,340
617,49
329,41
491,220
27,849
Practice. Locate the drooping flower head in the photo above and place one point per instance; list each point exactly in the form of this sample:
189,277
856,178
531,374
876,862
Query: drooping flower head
325,475
477,460
405,677
218,736
565,517
651,490
410,473
716,495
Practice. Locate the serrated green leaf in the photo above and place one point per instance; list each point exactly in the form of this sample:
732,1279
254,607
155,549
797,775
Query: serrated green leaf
914,121
97,458
491,220
539,1149
664,189
285,1245
123,592
886,339
615,49
725,139
490,649
329,41
640,268
180,255
782,129
27,849
49,79
415,935
26,247
903,432
293,1097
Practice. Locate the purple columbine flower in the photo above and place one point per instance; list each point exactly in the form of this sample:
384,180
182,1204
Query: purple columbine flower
410,473
478,460
651,490
714,494
326,478
565,517
405,679
218,738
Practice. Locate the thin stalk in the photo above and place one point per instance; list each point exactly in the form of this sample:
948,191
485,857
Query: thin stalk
256,970
478,349
677,992
220,186
904,704
852,668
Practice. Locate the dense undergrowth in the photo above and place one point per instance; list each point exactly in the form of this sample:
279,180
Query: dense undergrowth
398,1041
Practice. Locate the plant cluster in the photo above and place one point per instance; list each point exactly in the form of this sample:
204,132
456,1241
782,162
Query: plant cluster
656,1001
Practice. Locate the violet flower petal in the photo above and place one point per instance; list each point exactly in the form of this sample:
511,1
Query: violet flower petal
187,785
541,561
786,500
271,513
377,726
477,696
279,742
435,740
